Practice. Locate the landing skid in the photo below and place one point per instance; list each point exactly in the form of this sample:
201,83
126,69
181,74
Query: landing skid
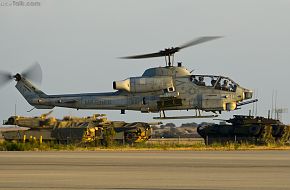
187,117
197,115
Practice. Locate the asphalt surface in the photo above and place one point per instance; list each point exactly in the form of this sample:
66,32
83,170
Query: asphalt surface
145,170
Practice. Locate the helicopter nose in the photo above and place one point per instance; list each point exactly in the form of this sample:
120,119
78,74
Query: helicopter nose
248,94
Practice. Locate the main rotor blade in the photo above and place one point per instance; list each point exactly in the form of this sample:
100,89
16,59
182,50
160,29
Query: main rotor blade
149,55
5,77
199,41
33,73
171,51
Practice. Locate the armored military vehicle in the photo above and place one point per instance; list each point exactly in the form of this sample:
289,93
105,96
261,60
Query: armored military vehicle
96,128
32,122
248,129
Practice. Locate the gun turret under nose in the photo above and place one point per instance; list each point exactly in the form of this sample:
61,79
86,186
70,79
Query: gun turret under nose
248,95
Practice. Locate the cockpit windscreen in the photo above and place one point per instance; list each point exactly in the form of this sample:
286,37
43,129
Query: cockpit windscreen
217,82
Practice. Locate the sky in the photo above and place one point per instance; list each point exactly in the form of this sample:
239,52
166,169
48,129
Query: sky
77,44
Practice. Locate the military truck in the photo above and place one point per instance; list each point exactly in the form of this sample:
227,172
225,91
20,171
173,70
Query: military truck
96,128
248,129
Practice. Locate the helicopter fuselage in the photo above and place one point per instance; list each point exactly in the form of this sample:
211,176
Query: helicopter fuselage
158,89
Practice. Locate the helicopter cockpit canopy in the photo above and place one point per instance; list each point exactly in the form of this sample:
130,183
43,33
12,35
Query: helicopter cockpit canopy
217,82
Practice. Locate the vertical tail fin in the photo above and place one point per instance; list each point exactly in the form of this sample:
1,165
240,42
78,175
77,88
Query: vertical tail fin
28,90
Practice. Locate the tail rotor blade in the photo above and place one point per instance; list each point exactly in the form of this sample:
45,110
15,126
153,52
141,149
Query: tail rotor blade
33,73
5,77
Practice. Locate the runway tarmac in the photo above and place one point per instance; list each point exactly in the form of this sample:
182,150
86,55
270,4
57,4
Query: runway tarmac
146,170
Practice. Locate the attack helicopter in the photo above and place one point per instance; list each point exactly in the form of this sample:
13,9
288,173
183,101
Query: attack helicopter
159,89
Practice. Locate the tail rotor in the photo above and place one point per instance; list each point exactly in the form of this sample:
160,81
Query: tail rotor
5,77
33,73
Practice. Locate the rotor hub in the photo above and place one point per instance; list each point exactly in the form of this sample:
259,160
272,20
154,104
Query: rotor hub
17,77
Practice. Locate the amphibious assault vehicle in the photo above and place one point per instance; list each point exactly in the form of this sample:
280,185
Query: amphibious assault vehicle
96,128
247,129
